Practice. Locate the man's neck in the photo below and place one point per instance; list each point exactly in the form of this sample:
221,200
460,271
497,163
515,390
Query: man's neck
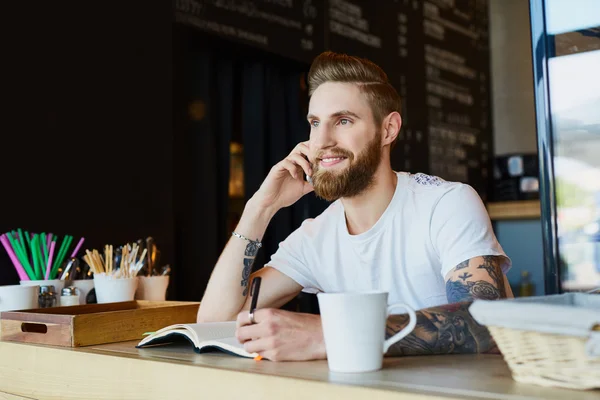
363,211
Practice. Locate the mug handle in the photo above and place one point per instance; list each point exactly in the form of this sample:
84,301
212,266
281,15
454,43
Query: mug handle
408,329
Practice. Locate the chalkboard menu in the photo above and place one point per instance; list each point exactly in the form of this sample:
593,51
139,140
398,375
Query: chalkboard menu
435,52
292,28
456,86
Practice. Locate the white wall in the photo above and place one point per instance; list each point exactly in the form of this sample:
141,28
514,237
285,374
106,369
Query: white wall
512,78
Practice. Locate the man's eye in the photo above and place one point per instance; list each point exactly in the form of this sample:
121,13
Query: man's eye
344,121
314,123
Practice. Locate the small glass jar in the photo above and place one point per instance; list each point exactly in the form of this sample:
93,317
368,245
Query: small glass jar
47,297
69,296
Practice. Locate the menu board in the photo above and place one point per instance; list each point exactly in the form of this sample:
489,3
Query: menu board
292,28
456,86
354,27
435,52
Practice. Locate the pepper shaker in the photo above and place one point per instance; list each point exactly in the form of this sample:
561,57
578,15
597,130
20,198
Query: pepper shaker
47,297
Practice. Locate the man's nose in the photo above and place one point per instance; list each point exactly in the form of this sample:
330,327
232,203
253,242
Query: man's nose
320,138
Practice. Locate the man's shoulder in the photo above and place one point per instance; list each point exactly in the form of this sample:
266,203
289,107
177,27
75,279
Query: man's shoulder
429,190
420,182
430,187
326,220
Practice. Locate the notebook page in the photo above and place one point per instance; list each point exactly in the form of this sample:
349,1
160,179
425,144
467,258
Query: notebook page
213,330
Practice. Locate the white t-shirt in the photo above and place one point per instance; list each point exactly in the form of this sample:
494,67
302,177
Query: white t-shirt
429,227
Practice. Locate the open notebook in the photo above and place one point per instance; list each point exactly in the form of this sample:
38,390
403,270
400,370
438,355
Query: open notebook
206,337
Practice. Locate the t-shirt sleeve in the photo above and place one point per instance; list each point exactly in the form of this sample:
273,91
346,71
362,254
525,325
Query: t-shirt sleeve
290,260
461,229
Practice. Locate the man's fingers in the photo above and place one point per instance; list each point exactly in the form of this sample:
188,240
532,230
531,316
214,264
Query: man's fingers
242,319
292,168
259,345
301,148
261,315
248,332
302,162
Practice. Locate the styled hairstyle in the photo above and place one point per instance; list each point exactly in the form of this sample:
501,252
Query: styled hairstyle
372,81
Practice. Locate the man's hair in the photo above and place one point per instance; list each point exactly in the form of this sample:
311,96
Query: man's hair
370,78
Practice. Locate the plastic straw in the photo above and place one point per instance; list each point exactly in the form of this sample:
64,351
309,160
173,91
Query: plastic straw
74,254
49,265
22,258
28,239
34,254
23,241
48,240
22,274
41,244
18,252
61,255
44,250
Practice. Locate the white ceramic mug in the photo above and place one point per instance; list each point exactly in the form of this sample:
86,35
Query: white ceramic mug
354,329
85,286
18,297
153,288
112,290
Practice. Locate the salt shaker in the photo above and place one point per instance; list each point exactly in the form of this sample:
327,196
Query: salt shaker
47,297
69,296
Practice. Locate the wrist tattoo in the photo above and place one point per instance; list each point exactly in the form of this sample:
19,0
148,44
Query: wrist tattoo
249,257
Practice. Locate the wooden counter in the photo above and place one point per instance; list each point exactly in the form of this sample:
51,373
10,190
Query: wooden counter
120,371
524,209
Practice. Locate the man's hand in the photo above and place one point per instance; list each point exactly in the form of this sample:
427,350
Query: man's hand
280,335
285,184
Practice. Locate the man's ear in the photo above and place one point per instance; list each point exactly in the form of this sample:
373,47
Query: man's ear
391,127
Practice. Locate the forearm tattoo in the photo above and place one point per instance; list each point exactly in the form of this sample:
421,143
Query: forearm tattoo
447,329
249,257
464,288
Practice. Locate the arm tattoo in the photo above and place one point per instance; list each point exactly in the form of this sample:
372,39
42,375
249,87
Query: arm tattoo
448,329
457,291
492,265
466,289
462,265
465,276
249,257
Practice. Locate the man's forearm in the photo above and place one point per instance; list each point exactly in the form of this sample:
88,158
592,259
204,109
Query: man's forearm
228,285
446,329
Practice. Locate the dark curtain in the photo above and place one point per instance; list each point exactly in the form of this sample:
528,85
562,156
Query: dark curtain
203,132
226,93
273,123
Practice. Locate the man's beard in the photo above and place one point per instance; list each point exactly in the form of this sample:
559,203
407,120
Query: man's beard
354,179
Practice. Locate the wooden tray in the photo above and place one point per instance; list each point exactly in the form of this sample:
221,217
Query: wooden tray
92,324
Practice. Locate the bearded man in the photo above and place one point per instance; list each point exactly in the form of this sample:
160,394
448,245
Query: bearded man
427,242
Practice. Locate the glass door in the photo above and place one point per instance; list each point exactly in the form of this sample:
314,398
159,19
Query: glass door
566,52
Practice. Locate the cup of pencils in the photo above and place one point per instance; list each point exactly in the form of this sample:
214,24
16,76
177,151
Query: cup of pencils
115,283
36,258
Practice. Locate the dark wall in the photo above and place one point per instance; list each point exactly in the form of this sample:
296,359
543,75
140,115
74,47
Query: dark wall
87,134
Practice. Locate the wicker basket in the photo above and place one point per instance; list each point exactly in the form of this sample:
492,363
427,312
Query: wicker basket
548,341
547,359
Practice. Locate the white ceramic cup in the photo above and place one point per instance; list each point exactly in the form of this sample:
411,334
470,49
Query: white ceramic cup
112,290
18,297
354,329
57,283
84,286
153,288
